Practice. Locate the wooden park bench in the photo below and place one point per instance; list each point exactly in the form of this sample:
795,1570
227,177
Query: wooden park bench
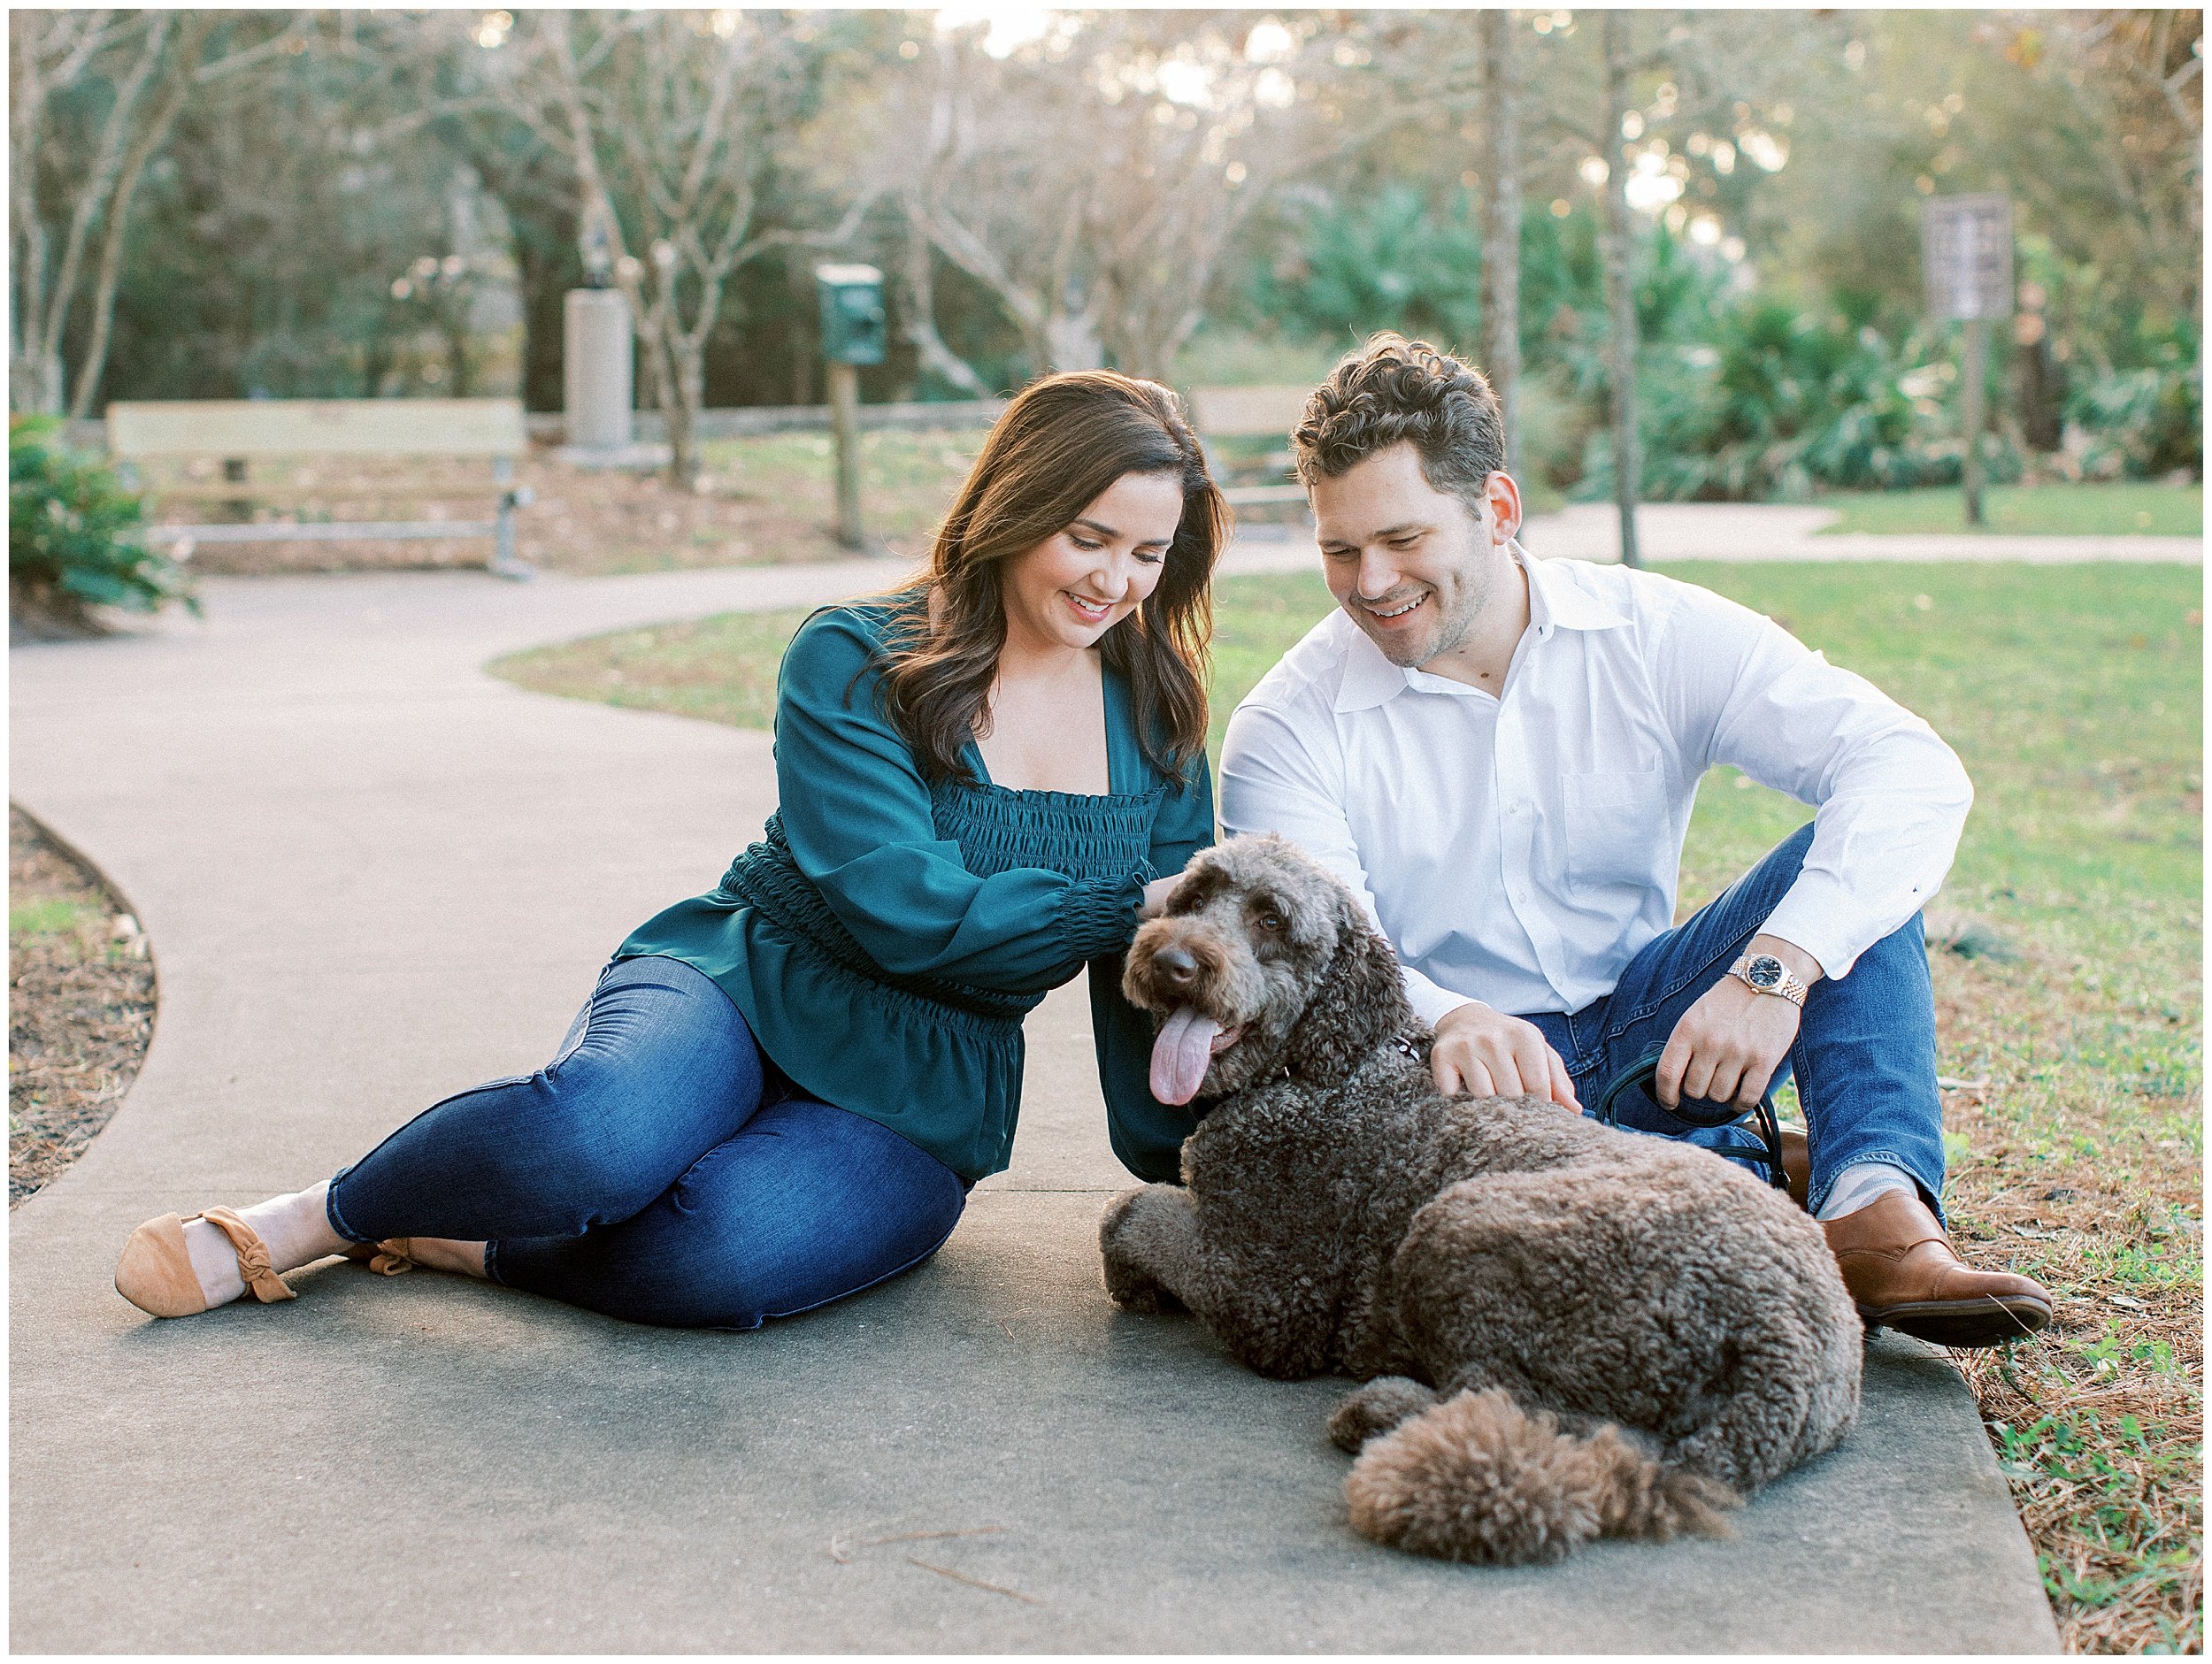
239,432
1247,414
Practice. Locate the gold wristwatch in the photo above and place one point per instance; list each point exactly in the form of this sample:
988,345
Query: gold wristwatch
1763,973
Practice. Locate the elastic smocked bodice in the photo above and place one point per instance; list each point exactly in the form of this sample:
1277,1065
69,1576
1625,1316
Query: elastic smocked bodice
997,830
1084,837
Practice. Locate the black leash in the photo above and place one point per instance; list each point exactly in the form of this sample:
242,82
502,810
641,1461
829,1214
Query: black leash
1759,1127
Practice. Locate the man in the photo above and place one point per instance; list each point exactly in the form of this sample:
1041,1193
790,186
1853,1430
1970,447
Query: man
1500,756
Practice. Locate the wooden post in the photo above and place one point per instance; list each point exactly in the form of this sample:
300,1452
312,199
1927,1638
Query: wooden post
238,509
844,391
1975,368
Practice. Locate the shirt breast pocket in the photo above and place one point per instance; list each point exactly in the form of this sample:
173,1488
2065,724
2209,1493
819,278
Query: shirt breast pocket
1615,824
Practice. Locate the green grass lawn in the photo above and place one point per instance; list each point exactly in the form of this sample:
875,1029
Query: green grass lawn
2074,693
2119,509
907,475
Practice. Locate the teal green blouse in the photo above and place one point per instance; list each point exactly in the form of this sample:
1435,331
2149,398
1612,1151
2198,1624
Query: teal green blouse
887,934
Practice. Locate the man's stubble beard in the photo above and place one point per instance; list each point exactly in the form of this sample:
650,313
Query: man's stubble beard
1474,597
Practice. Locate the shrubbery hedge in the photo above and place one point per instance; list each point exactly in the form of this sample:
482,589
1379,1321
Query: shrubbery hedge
74,537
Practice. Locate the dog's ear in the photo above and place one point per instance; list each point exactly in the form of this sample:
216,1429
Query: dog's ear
1361,1003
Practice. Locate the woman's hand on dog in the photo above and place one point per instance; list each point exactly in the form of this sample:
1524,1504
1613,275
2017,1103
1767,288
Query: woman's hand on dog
1155,895
1485,1054
1728,1045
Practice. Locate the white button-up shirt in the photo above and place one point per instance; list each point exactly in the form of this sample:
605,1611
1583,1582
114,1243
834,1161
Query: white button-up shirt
1519,849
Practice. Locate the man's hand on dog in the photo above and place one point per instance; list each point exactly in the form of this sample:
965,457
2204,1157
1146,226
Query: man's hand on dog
1727,1045
1485,1054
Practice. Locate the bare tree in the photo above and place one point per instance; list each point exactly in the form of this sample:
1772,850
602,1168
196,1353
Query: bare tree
53,55
1617,235
1502,225
1608,164
74,176
1091,177
2134,79
666,118
918,316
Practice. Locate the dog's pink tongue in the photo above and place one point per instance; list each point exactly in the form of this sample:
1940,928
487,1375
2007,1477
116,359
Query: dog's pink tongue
1180,1055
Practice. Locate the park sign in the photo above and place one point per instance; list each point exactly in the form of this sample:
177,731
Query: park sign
1966,255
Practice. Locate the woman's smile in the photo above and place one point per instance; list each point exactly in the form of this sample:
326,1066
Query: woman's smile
1087,609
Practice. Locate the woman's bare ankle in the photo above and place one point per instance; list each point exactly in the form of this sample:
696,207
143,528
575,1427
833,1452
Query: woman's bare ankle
447,1253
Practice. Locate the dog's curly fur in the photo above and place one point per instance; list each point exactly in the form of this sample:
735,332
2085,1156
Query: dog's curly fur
1567,1331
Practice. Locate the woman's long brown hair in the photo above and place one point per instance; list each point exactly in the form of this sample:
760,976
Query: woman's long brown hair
1059,445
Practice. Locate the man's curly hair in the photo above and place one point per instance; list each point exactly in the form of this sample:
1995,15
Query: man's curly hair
1392,390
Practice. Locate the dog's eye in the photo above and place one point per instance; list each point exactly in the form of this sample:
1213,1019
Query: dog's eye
1271,920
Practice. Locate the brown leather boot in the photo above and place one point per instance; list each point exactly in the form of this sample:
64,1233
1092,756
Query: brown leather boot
1797,1164
1900,1268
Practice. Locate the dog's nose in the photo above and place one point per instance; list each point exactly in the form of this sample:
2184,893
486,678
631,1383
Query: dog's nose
1176,964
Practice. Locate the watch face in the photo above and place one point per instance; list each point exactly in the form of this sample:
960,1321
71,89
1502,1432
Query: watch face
1765,971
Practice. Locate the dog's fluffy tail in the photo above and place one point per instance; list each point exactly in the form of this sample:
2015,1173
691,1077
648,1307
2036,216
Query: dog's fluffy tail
1479,1478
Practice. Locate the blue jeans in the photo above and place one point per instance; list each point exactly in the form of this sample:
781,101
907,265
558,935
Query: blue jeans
1865,1058
659,1170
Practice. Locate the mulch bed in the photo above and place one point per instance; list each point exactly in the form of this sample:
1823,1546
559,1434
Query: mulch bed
80,1007
584,522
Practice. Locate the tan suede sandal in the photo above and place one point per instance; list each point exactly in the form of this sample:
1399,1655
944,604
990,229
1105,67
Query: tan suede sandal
156,1275
388,1257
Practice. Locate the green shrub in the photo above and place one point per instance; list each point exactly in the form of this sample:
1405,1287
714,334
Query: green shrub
1381,261
1743,394
1784,402
73,536
2139,424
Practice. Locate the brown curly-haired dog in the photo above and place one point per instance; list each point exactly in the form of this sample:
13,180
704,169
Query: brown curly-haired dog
1573,1331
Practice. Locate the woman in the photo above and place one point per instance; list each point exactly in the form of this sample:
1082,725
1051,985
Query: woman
781,1090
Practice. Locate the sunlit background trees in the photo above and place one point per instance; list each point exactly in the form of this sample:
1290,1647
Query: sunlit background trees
222,204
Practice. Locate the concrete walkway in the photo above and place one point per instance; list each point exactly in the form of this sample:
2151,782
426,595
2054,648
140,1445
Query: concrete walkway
1778,532
372,875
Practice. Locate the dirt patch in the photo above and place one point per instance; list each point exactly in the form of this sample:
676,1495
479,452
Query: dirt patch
81,1006
769,499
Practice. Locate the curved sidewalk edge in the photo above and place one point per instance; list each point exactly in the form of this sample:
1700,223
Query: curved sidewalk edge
1789,532
378,874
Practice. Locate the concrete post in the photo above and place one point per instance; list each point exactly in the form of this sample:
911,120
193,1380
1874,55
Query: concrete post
595,369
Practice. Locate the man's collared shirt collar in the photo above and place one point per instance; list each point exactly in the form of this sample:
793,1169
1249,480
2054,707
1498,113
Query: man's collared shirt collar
1556,601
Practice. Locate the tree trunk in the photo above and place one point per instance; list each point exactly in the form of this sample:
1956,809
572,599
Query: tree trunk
460,379
92,200
1620,292
1501,228
149,140
660,374
35,383
682,414
27,375
2042,393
